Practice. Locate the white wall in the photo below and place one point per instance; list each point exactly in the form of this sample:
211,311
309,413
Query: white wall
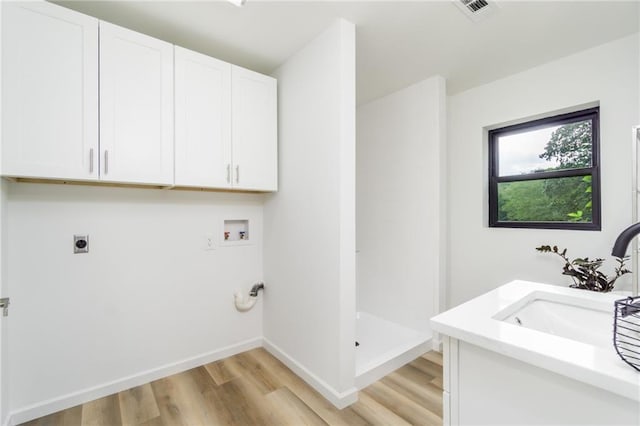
4,292
482,258
400,141
309,317
146,300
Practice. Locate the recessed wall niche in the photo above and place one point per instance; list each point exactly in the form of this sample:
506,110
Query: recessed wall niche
235,232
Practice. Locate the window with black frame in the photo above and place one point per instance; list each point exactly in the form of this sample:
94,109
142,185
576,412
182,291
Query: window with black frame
546,173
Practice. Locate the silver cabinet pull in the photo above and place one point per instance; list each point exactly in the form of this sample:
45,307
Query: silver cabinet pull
237,174
91,160
228,173
106,161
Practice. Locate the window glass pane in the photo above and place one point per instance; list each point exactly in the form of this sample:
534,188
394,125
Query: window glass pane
568,146
567,199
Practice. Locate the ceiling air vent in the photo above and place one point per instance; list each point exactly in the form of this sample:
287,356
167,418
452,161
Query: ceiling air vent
476,10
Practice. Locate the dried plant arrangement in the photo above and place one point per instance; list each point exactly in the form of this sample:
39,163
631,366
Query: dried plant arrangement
584,271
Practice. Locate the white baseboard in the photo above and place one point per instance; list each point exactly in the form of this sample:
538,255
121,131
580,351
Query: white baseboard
373,375
338,399
71,400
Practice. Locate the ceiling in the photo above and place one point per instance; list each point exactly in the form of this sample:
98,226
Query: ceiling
398,42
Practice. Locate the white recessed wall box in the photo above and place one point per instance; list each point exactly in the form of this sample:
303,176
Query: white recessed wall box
235,232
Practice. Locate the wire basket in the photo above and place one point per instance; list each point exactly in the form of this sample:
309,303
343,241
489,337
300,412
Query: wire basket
626,330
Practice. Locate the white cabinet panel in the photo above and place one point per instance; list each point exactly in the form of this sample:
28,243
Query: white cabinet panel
254,130
203,120
136,107
49,92
88,100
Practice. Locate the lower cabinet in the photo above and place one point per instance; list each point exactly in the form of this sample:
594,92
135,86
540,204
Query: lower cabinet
483,387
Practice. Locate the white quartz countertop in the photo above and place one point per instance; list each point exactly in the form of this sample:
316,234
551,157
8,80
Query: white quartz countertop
476,322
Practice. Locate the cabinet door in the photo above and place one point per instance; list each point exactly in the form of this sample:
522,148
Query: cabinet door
136,107
49,92
203,120
254,130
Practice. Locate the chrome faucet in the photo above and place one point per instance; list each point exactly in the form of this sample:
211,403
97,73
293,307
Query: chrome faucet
620,249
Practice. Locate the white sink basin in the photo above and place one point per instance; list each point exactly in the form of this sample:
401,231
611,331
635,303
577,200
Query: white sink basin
562,330
567,318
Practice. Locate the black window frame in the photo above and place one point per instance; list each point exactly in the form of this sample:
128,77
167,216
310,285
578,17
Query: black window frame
592,114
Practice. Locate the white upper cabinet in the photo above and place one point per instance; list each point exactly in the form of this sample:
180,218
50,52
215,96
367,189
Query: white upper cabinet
136,107
254,130
85,100
203,120
226,131
49,92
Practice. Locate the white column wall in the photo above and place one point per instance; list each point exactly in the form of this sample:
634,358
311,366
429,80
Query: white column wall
309,317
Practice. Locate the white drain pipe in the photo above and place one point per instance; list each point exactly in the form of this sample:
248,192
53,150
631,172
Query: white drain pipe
244,303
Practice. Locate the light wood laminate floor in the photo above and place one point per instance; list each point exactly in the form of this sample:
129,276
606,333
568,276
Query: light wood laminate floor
254,388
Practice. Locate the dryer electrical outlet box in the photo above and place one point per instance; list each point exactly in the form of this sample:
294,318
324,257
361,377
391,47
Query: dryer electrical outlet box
81,244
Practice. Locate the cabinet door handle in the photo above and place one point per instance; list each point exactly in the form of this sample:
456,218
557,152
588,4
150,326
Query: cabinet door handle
106,161
237,174
91,160
228,173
